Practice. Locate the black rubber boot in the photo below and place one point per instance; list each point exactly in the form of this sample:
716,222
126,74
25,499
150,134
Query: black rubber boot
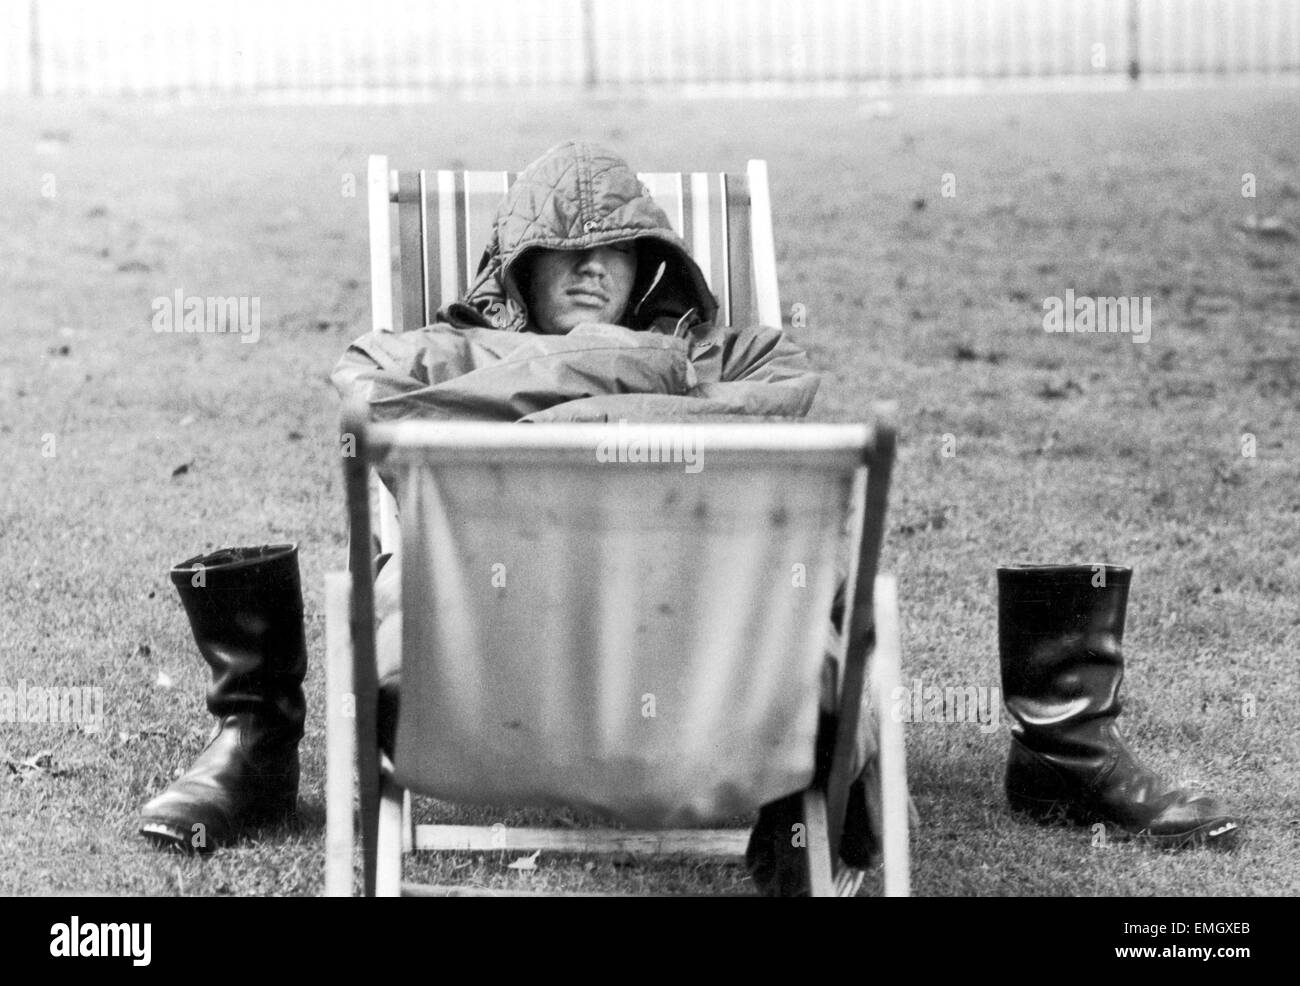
1060,630
245,608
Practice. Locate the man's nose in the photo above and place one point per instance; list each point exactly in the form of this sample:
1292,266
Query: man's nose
592,261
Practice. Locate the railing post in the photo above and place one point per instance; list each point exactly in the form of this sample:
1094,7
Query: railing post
590,73
34,47
1134,40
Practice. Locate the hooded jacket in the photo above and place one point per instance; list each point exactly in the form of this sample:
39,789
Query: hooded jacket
484,360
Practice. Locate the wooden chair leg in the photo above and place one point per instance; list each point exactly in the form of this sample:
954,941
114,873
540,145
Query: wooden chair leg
848,881
388,868
408,824
820,881
895,803
340,723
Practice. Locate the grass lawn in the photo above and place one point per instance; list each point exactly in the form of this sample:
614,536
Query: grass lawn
1063,447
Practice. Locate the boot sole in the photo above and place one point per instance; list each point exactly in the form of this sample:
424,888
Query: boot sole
1220,833
172,838
179,837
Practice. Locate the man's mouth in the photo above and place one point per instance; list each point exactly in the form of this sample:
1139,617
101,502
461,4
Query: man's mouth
588,296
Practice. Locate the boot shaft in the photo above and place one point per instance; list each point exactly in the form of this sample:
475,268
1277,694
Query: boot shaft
246,612
240,579
1037,602
1060,636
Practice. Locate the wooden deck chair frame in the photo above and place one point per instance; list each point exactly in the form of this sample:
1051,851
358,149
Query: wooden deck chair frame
871,644
440,212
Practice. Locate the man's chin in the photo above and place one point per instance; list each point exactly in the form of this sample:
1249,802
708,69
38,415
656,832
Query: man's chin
568,325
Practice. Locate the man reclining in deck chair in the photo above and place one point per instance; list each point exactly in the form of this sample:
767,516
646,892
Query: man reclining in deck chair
589,308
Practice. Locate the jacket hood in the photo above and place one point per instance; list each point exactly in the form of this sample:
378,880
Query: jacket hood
575,196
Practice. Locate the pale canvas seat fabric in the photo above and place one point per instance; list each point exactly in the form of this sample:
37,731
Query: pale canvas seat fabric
631,638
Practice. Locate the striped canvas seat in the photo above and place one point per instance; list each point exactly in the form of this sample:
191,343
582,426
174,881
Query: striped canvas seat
444,219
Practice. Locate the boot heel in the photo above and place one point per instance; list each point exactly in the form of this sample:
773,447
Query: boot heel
286,807
277,799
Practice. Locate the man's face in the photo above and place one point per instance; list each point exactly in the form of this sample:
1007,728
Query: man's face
568,287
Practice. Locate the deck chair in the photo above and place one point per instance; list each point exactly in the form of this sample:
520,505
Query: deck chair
820,475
